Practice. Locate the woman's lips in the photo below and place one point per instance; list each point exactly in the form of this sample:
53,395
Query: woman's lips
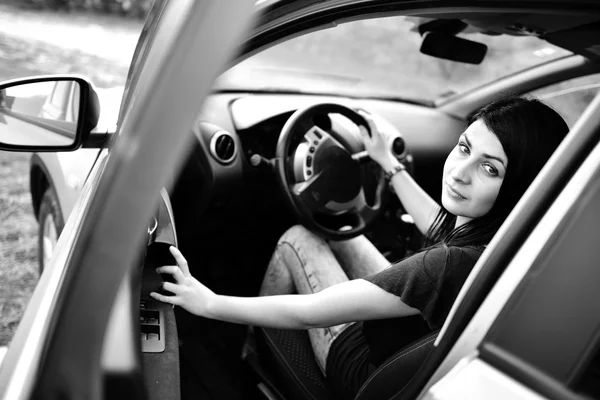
454,193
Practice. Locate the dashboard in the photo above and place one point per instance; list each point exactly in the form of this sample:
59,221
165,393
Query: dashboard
253,123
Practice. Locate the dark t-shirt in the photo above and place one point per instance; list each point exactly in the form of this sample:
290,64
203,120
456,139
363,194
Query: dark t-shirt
428,281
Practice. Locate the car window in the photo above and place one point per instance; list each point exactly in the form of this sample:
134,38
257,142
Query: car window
571,97
380,58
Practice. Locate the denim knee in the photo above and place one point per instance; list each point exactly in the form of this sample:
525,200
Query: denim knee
298,235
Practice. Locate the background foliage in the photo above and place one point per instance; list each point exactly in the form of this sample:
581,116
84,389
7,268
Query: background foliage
132,8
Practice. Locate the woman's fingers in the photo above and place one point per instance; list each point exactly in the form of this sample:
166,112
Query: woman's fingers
180,259
171,287
165,299
370,121
173,270
363,133
179,271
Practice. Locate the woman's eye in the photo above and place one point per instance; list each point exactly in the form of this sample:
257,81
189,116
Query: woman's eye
490,170
463,148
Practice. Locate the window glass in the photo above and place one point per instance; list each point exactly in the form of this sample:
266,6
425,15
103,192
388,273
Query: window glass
571,97
381,58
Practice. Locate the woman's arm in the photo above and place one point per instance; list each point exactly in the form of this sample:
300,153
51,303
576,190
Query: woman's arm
350,301
355,300
415,200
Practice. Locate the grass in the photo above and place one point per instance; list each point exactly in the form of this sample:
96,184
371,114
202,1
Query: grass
34,43
18,242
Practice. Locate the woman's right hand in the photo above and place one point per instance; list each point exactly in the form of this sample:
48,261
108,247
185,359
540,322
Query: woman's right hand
378,144
188,293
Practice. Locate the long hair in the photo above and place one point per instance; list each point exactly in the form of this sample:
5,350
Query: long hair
529,132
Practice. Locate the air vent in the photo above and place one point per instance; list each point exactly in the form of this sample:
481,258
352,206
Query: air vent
222,147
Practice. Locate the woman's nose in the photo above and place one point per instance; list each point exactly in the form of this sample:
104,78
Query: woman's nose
461,172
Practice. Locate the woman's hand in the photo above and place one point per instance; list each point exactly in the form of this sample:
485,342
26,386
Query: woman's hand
188,293
379,144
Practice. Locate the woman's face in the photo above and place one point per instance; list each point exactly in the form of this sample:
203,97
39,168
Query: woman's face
473,173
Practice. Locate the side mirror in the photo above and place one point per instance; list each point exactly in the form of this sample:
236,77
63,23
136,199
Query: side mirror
48,113
450,47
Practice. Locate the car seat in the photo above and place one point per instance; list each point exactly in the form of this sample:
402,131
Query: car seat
285,363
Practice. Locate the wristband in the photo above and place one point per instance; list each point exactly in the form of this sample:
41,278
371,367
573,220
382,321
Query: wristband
398,168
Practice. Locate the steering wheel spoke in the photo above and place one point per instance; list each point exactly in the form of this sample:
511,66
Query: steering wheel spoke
320,168
361,157
315,134
312,191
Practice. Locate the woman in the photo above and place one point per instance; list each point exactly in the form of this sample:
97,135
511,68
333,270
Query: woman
496,158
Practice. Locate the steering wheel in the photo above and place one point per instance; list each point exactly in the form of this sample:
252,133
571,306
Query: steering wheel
326,176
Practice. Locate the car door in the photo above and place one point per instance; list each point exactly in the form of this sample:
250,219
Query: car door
58,349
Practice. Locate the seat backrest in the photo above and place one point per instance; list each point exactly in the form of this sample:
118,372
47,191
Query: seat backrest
396,371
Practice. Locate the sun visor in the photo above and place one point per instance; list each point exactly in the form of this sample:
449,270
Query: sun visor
584,40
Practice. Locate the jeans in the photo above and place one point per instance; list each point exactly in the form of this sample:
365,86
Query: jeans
305,263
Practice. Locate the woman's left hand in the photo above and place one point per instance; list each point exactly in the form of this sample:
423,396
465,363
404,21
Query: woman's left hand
188,293
378,144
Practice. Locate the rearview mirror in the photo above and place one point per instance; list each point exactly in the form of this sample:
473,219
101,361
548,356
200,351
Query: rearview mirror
46,113
450,47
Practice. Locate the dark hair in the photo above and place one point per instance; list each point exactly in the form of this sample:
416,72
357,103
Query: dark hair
529,132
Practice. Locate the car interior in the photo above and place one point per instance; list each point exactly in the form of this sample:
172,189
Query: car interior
263,160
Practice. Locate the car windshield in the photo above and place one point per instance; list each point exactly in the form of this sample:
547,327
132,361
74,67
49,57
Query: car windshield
380,58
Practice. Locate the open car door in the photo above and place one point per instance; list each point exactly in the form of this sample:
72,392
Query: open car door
61,348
